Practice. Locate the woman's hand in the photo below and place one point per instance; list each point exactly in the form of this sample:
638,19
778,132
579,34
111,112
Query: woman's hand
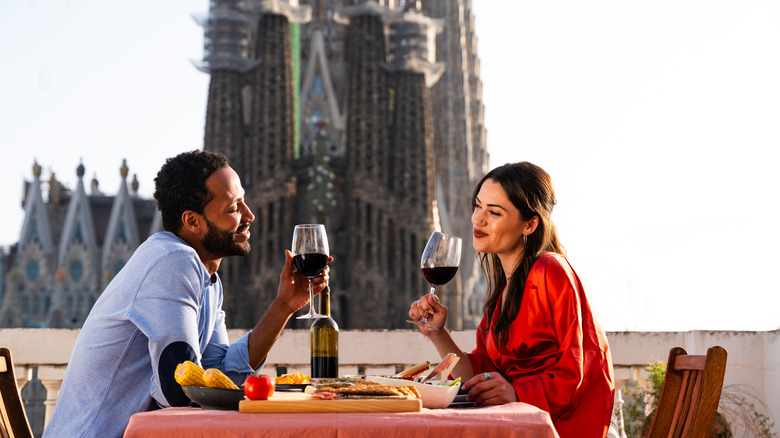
490,388
294,286
429,306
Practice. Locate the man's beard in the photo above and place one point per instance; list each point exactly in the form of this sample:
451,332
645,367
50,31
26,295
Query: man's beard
222,243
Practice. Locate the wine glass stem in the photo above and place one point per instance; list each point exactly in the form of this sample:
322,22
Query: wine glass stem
424,319
311,297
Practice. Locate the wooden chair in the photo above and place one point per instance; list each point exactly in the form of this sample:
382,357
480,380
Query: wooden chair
14,422
690,394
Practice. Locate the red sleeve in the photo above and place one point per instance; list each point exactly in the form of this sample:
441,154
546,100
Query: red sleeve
557,354
552,292
480,360
543,356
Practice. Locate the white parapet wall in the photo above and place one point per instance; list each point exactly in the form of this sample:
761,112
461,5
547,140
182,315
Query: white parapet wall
753,357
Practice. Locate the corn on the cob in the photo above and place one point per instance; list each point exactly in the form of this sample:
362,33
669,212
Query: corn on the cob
214,378
189,374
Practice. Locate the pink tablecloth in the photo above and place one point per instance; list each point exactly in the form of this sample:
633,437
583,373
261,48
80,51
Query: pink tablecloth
517,420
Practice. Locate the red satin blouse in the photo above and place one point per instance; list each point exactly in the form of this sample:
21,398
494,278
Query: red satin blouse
557,356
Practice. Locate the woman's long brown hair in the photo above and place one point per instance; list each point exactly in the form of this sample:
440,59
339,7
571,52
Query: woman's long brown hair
531,191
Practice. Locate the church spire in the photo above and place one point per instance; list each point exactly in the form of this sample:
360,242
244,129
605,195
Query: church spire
35,227
79,227
75,280
122,233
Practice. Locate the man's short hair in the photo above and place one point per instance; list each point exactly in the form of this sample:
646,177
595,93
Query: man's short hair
180,185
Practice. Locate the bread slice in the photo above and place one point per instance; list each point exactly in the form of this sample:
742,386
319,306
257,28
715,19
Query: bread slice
368,390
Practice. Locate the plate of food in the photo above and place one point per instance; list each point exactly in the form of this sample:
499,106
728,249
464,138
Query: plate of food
433,394
292,382
214,398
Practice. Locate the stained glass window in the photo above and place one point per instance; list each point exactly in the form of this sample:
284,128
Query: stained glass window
76,271
32,270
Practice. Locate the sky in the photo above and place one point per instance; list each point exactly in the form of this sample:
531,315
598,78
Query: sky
658,122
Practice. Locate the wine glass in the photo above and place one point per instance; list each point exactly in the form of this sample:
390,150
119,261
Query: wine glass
310,257
439,263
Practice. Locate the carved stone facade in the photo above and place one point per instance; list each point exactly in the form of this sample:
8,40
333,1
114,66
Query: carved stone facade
331,112
71,245
362,115
460,145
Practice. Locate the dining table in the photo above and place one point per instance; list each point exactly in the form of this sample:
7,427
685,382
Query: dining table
512,420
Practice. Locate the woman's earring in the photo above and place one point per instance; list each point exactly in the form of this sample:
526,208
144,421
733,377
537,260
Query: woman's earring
525,239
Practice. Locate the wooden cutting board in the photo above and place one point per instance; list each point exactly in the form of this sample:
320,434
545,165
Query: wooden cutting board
296,403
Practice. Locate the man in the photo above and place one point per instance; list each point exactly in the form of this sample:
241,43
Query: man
164,306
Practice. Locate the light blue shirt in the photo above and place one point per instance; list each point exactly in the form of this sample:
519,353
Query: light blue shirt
161,309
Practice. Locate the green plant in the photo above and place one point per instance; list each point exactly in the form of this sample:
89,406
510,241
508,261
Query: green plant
641,400
739,408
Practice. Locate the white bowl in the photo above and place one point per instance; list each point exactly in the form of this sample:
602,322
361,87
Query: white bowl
433,396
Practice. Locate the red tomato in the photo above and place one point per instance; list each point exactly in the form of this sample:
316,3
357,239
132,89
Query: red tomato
259,387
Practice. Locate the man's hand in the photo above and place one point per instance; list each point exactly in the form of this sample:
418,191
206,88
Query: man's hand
293,294
294,286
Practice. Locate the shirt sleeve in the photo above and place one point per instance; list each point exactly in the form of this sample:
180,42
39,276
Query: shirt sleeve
543,357
557,386
232,359
479,358
174,312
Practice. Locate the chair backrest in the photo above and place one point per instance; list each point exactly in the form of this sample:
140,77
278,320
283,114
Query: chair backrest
690,394
14,422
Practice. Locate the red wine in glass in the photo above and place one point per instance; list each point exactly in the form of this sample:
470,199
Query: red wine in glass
439,263
310,256
310,264
440,274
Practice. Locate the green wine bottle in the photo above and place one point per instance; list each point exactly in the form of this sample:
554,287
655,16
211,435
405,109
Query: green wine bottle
324,341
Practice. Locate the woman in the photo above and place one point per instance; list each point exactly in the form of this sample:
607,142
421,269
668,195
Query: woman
538,341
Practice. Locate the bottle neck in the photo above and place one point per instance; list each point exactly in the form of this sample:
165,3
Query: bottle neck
325,301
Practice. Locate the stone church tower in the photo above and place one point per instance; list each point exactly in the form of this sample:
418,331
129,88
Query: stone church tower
329,112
